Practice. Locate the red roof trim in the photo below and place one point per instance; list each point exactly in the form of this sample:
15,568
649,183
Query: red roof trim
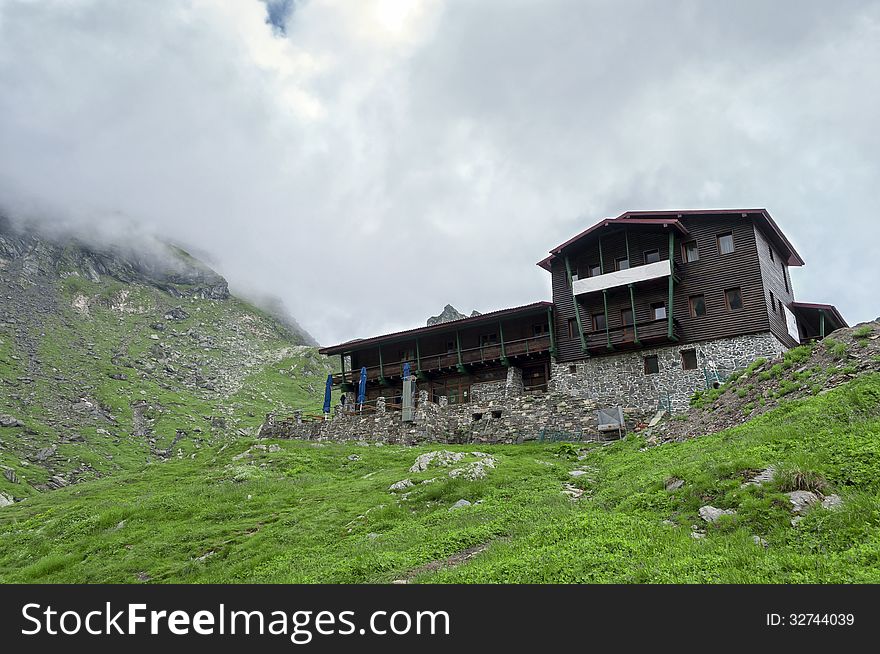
360,343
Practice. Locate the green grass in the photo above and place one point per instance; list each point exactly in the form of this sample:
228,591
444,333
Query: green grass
307,513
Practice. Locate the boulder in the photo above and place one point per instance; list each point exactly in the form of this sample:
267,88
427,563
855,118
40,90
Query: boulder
674,484
400,485
802,500
832,502
459,505
9,421
577,473
711,514
437,457
5,500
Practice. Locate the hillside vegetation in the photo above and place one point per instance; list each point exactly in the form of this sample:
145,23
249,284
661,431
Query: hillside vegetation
285,511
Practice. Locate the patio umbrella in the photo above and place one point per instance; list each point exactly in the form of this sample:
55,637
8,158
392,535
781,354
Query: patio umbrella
327,390
362,387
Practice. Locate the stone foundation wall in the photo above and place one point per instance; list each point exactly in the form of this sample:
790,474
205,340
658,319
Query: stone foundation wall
621,379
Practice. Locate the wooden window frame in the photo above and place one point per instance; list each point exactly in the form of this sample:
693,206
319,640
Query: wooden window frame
718,238
572,328
593,320
684,248
684,361
691,308
651,251
653,307
772,302
738,289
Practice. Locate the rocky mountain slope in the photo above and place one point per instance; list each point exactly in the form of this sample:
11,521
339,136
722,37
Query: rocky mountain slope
449,314
812,369
114,358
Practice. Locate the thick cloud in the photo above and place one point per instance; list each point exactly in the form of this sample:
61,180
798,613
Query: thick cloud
369,162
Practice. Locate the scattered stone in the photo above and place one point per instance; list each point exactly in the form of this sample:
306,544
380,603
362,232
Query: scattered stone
668,523
763,477
802,500
577,473
9,421
459,505
760,541
354,457
177,313
474,470
6,500
711,514
832,502
697,535
274,448
438,458
45,453
143,576
400,581
674,484
10,475
400,485
572,491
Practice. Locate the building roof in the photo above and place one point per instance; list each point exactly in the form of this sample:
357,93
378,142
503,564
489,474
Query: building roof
671,219
830,311
472,321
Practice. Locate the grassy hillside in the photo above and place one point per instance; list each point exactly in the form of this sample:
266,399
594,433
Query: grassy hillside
107,376
249,511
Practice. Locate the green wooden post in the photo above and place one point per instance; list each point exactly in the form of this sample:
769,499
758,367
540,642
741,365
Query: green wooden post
458,350
601,258
607,328
632,302
381,368
504,359
626,238
577,309
669,311
550,327
821,323
342,361
418,358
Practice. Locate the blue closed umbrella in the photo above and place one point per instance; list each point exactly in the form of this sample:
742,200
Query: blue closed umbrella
405,371
362,387
327,390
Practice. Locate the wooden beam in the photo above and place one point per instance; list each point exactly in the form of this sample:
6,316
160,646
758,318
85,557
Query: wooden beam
632,302
550,327
504,359
460,366
821,323
577,309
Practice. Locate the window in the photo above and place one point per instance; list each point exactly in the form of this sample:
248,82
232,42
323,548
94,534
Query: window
573,369
488,339
690,252
598,321
652,256
540,330
689,359
652,365
622,263
733,299
697,305
772,302
626,317
658,310
725,243
785,278
450,347
770,250
781,309
595,270
406,355
572,328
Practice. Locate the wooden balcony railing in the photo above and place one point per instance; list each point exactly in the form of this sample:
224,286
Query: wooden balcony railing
621,338
469,356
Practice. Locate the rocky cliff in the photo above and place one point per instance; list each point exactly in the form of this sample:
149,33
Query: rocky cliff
449,314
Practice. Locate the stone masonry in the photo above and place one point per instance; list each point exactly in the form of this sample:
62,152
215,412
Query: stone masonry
621,379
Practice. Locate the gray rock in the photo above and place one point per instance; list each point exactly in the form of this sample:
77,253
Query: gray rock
697,535
802,500
459,505
763,477
10,475
577,473
274,448
6,500
832,502
674,484
9,421
760,541
437,458
354,457
400,485
711,514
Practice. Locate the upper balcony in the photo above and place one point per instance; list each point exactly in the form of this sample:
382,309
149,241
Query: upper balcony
636,275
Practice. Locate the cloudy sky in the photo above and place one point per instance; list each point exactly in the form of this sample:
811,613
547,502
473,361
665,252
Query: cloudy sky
369,161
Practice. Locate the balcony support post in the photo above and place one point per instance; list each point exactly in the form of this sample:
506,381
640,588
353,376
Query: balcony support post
669,311
601,261
632,303
577,308
607,328
821,323
552,331
626,239
342,361
504,359
382,379
460,365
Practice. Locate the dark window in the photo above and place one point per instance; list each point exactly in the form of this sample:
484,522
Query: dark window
689,359
573,369
658,310
626,316
595,270
733,299
652,256
572,328
698,305
781,309
622,263
772,302
450,347
488,339
785,278
496,415
725,243
690,252
770,250
598,321
540,330
652,365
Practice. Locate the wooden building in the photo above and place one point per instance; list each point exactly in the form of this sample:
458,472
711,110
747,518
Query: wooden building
687,289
